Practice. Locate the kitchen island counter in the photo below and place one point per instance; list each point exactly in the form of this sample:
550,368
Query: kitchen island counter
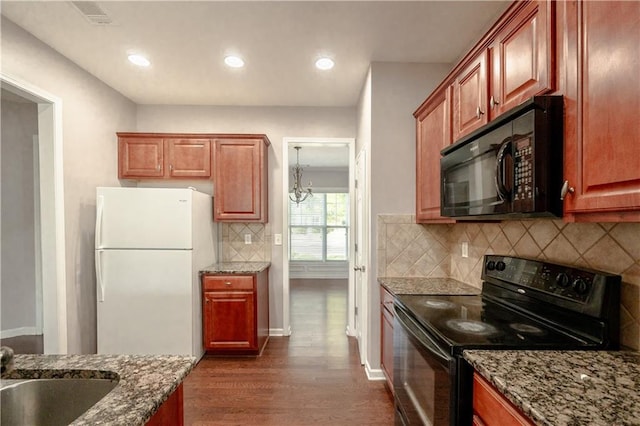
432,286
144,382
225,268
566,387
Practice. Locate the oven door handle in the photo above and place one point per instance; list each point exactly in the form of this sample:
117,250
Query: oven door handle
413,328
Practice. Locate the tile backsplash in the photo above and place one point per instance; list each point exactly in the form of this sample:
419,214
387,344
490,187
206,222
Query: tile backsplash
407,249
234,248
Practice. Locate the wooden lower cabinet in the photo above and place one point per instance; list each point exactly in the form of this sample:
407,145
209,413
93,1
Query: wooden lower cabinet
386,335
491,408
171,412
235,313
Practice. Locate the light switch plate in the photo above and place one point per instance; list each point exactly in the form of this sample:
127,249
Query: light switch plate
247,238
277,239
465,249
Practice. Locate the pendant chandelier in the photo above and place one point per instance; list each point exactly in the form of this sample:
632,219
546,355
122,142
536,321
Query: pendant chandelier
299,191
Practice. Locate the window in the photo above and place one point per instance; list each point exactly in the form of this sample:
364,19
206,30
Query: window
318,228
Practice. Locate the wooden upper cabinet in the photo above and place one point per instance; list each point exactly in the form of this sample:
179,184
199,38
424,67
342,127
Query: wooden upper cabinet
140,157
433,133
240,179
470,100
522,57
602,102
189,157
163,156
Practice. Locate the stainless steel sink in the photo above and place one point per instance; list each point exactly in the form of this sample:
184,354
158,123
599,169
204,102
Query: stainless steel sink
49,402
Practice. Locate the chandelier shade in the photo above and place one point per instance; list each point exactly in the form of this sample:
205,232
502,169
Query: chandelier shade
299,193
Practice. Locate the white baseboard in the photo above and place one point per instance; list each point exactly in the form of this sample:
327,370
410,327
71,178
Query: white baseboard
350,332
21,331
279,332
373,373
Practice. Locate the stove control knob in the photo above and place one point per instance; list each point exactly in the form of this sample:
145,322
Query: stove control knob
580,286
562,280
491,265
500,265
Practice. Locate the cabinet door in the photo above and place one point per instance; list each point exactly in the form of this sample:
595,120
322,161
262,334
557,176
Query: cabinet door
386,337
189,158
602,101
521,57
240,180
140,157
470,97
229,320
433,133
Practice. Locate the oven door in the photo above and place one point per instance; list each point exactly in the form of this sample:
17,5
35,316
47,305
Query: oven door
424,376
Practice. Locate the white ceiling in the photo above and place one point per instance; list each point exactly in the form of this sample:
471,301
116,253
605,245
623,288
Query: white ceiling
279,40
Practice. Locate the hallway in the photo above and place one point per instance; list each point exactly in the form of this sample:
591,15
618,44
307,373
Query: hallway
313,377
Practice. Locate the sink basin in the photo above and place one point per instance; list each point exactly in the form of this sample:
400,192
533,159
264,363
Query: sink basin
49,402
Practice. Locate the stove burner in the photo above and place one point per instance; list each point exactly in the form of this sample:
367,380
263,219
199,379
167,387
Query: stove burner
471,327
527,328
439,304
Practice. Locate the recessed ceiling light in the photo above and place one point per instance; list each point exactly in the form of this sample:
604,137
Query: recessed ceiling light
234,61
139,60
324,64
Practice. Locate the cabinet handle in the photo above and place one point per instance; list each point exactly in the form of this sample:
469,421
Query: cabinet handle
493,102
227,283
479,112
158,167
170,167
566,189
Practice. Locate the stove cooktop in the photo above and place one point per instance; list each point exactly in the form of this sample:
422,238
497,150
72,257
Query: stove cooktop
475,322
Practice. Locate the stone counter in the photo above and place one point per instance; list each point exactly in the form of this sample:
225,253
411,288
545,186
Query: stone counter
432,286
566,387
144,382
224,268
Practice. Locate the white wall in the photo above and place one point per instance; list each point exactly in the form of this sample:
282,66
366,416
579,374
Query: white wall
18,288
326,179
396,92
91,112
276,123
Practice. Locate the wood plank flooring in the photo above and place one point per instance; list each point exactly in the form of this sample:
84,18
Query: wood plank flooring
313,377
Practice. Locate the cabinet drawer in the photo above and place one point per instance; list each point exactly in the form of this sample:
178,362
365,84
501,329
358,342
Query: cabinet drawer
386,299
226,282
493,408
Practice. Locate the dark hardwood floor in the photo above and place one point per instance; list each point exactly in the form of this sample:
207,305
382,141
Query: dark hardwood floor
313,377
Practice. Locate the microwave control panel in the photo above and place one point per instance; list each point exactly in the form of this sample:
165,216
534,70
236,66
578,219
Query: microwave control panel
524,188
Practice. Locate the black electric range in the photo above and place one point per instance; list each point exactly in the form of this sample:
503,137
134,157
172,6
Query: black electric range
524,304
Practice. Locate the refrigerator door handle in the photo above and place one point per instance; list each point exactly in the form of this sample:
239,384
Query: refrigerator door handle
99,215
99,279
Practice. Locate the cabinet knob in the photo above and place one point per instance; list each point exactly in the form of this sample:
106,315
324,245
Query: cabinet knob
158,167
493,102
170,167
479,112
227,283
566,189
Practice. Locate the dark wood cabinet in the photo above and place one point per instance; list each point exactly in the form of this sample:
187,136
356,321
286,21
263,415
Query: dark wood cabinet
470,100
163,156
600,65
171,412
522,57
235,313
386,335
241,178
433,133
491,408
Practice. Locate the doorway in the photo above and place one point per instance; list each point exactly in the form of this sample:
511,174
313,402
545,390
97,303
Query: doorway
322,248
42,236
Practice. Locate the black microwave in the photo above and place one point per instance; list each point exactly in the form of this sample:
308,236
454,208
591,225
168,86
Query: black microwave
509,168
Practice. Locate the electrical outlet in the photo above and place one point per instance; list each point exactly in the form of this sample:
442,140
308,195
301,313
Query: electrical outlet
465,249
247,238
277,239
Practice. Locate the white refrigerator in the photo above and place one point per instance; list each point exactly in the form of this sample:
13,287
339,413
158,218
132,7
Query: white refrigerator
150,245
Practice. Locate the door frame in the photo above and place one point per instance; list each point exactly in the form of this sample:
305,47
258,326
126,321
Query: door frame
51,255
362,321
286,299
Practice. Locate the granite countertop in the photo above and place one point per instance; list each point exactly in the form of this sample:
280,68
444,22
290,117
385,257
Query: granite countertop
566,387
433,286
235,268
144,382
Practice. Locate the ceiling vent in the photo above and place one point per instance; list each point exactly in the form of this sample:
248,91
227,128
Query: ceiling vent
92,12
